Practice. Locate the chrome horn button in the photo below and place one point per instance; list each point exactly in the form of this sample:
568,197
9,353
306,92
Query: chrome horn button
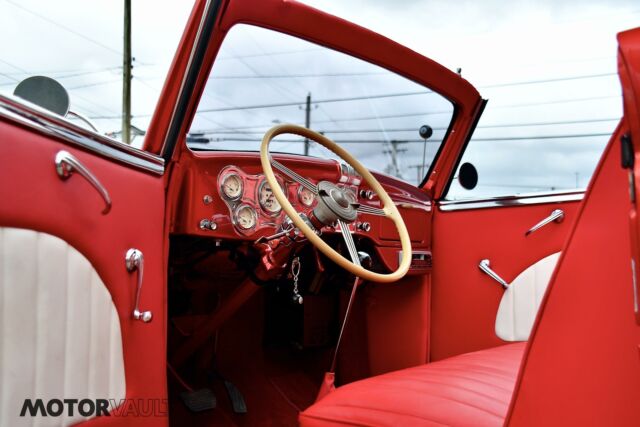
334,205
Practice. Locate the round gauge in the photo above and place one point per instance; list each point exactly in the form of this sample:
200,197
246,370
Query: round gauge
306,197
231,186
245,217
267,200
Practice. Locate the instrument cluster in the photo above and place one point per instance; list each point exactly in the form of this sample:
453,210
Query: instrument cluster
251,202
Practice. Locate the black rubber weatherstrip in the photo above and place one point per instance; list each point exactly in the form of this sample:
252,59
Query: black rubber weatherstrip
464,147
202,44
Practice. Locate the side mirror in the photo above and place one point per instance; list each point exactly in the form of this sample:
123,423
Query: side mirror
468,176
44,92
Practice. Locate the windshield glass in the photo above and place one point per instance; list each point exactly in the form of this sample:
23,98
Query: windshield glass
262,78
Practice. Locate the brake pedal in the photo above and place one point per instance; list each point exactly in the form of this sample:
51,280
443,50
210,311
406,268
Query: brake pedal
237,399
199,400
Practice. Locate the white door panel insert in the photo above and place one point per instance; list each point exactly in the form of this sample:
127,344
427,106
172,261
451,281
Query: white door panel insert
59,329
521,300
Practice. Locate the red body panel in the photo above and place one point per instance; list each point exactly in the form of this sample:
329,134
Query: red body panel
582,365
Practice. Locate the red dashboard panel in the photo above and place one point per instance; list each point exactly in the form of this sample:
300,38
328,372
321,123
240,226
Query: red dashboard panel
201,199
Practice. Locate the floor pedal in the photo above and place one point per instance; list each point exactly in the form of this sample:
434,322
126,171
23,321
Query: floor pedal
199,400
237,400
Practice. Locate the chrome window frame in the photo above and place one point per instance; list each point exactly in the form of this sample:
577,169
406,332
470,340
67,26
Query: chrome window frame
47,123
524,199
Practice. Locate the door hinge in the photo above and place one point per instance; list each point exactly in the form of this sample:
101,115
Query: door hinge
627,161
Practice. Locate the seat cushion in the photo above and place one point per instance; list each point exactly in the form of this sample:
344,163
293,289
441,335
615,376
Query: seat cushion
469,389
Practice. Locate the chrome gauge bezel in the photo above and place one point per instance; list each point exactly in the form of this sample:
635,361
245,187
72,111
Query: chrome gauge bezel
262,183
313,201
223,177
236,212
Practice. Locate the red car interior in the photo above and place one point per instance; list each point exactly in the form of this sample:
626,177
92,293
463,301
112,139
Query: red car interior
227,328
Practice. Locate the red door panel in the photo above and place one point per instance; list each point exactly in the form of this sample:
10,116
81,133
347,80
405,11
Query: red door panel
465,300
34,197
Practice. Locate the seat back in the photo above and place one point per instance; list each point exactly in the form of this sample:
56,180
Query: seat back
582,364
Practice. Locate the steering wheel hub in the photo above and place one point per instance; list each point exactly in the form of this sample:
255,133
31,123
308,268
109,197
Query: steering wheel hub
334,204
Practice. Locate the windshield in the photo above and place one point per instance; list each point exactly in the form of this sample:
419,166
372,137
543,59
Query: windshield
262,78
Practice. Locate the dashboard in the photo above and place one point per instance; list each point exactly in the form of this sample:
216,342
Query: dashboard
224,196
253,207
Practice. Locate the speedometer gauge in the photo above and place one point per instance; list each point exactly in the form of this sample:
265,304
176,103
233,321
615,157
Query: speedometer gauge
245,217
231,186
306,197
267,200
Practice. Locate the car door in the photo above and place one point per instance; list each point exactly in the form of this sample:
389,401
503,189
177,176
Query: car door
82,247
497,244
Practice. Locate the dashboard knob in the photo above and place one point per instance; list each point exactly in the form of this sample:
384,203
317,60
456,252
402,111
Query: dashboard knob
367,194
364,226
207,224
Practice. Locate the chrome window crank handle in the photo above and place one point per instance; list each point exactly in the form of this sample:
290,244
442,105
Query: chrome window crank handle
134,261
485,267
556,216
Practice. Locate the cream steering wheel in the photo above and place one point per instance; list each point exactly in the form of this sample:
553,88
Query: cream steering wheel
334,205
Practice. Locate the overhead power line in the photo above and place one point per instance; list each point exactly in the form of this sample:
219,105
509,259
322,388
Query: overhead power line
421,141
64,27
400,94
233,130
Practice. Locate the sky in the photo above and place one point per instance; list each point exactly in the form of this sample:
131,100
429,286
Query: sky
546,67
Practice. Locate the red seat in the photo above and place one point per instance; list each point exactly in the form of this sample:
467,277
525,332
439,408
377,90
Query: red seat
469,389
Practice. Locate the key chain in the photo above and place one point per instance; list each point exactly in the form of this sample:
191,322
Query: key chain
295,272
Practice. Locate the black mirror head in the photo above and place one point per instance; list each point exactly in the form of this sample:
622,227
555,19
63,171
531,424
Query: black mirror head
468,176
425,131
44,92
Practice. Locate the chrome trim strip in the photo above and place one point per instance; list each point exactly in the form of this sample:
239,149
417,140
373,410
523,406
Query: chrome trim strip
45,122
506,201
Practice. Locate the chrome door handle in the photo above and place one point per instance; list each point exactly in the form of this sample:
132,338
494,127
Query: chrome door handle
67,164
485,266
556,216
134,260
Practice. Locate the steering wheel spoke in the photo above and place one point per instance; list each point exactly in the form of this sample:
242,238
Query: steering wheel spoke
348,240
295,176
371,210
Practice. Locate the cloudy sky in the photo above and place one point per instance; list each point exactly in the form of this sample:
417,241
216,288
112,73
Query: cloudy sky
547,68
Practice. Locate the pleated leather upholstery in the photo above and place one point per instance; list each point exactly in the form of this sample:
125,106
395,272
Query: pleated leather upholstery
472,389
59,329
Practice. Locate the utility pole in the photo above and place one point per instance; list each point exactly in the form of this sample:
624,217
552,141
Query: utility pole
394,168
307,122
126,75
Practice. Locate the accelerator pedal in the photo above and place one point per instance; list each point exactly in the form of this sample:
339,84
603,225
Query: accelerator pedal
199,400
237,399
